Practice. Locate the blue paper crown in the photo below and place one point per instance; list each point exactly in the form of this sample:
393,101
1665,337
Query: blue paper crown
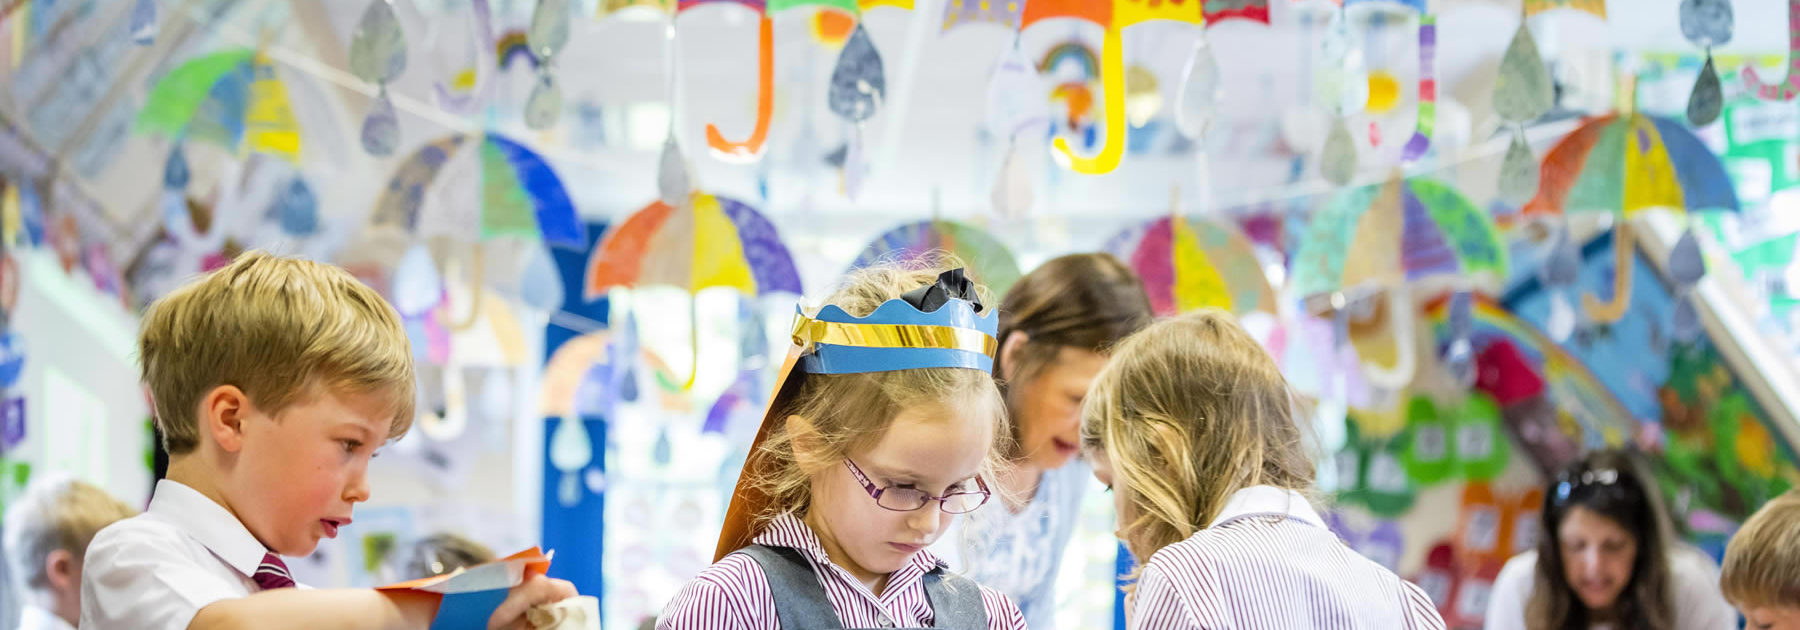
897,336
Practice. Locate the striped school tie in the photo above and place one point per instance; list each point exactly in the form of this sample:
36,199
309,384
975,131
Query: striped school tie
272,573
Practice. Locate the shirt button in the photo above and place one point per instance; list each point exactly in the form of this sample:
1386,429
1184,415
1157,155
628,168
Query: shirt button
886,623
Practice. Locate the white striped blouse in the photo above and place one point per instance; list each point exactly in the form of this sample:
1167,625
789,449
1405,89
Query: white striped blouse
1268,561
733,594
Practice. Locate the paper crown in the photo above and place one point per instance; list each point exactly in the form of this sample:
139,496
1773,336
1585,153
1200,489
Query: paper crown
897,336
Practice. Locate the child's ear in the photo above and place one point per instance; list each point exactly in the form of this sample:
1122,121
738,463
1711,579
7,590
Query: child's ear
222,415
1010,349
62,570
805,440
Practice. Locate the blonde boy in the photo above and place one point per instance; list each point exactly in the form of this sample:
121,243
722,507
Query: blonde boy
274,381
1761,575
48,529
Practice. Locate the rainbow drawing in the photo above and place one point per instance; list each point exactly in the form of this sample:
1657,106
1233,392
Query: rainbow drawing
1568,382
1071,51
513,45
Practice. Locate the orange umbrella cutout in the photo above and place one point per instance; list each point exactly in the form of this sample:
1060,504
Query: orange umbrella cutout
1114,16
749,148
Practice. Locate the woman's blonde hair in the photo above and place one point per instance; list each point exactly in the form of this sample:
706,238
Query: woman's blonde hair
1189,411
849,413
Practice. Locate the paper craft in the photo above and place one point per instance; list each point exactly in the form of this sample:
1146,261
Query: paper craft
1523,91
1252,10
1192,263
1427,118
381,128
1337,162
1707,100
1789,86
1686,267
707,241
378,45
1707,23
549,30
12,423
672,185
1004,13
469,597
548,34
1621,165
1428,457
1596,7
1012,189
1015,97
143,22
765,102
1195,110
545,103
378,55
858,83
989,262
1519,171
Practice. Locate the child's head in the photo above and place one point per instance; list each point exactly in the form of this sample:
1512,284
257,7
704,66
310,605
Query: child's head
1761,575
933,430
274,381
1189,411
48,529
1057,325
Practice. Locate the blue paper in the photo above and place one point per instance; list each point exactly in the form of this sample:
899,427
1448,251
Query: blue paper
467,611
12,359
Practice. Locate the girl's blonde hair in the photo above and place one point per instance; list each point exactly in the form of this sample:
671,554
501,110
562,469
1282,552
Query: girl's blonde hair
849,413
1189,411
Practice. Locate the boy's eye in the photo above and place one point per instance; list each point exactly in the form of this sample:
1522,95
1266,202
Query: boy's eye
350,446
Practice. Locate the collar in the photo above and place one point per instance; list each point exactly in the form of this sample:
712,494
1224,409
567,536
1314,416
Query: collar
789,531
1267,500
35,618
208,523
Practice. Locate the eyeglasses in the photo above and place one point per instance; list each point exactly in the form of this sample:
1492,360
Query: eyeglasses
1566,483
909,499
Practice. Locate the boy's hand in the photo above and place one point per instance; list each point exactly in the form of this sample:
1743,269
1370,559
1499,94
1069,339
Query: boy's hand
536,590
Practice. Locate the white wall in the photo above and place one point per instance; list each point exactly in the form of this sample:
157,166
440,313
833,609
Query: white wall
85,410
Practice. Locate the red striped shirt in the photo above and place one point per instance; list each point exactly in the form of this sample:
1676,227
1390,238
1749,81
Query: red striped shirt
1268,561
734,594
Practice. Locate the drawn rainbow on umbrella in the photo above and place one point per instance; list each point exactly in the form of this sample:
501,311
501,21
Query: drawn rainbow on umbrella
1570,384
513,46
1071,51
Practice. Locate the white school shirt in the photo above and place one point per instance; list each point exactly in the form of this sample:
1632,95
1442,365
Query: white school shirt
733,594
1694,580
156,570
35,618
1269,562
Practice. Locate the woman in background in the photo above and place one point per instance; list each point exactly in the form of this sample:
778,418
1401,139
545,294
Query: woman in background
1607,560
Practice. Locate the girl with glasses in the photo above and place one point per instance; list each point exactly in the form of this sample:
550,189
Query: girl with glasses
884,427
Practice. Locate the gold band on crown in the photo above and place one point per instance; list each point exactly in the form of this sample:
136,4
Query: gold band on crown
809,331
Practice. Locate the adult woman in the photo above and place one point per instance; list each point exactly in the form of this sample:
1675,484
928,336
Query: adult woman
1607,559
1056,325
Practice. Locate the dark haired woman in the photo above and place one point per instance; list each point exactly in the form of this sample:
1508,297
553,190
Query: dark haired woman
1606,559
1056,325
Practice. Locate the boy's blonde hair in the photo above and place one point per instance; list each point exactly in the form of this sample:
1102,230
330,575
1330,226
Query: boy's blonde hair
1762,562
852,412
278,329
56,512
1187,412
